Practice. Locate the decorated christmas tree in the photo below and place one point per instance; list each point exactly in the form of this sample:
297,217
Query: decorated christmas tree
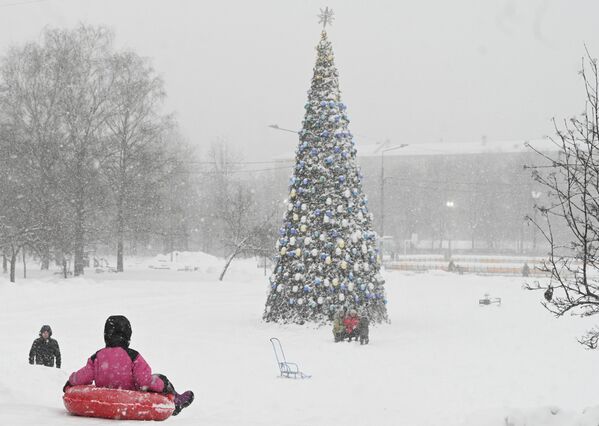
327,256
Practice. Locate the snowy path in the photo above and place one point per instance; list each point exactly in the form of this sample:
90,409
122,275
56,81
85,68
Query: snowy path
443,361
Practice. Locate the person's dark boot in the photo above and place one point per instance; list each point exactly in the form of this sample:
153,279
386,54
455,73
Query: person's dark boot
182,400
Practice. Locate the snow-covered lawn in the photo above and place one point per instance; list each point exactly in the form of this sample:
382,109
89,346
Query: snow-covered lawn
444,360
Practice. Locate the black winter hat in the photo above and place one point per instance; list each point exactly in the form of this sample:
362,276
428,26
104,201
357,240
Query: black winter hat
46,328
117,331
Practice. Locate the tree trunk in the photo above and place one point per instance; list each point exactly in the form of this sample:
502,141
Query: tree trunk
4,263
45,258
184,239
120,230
79,237
24,265
79,241
45,249
65,271
235,253
13,264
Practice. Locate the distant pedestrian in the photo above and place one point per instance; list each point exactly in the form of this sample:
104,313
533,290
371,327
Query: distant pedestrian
525,270
363,329
45,349
338,326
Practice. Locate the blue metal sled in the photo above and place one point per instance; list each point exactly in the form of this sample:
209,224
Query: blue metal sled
287,369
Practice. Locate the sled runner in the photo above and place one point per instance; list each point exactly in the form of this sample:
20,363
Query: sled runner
287,369
118,404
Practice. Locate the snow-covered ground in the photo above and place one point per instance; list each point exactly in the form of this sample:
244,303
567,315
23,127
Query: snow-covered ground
444,360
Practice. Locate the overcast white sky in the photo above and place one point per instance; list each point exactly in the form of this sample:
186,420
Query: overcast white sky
410,71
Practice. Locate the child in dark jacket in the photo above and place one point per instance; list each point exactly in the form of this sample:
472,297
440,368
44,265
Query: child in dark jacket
118,366
45,349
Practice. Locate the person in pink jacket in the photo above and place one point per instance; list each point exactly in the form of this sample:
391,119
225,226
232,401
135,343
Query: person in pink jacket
119,367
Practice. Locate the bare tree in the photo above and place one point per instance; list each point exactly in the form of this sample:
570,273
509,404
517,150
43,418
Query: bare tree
573,188
82,135
18,228
244,228
30,89
84,55
135,143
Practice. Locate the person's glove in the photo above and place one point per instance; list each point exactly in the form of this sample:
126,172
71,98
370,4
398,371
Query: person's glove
66,386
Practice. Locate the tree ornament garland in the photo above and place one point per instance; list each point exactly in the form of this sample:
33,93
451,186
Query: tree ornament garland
327,256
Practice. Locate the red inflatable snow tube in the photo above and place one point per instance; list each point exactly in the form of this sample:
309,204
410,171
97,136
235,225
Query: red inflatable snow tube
118,404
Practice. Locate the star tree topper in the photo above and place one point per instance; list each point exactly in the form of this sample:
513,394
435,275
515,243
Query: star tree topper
326,17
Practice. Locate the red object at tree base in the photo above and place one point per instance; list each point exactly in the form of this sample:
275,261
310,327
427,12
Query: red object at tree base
117,404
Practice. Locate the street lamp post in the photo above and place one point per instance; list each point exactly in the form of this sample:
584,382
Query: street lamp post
382,191
450,205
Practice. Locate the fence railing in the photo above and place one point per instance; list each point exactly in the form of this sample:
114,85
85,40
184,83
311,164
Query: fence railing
479,264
